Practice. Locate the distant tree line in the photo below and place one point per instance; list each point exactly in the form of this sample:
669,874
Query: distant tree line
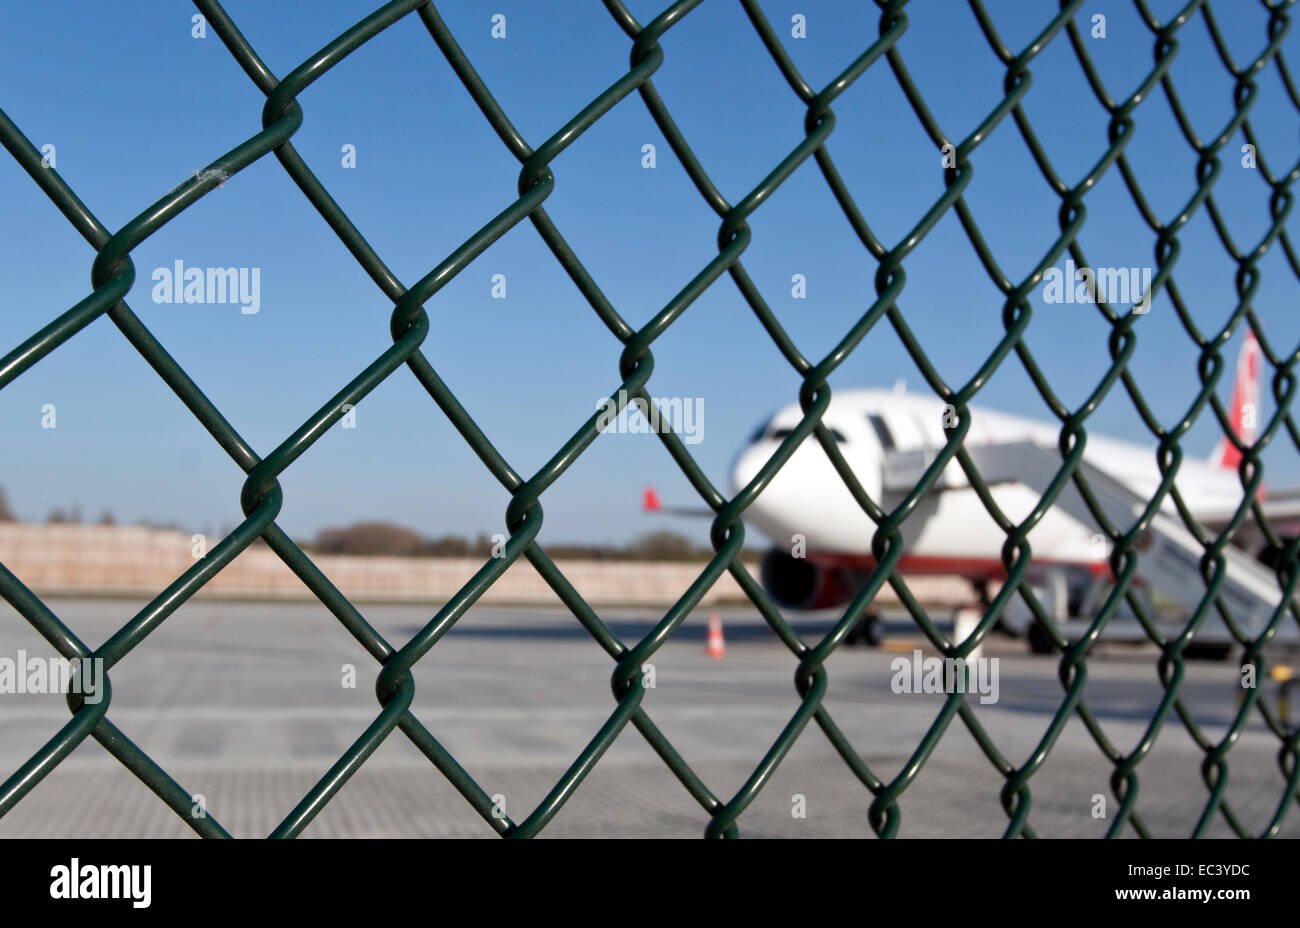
57,516
387,538
72,516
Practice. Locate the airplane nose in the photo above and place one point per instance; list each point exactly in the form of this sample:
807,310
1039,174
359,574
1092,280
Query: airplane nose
785,504
748,463
805,496
759,512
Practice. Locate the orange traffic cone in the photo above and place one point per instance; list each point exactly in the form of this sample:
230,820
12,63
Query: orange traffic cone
717,646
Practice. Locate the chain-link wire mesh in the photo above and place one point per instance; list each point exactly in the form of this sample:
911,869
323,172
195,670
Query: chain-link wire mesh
113,275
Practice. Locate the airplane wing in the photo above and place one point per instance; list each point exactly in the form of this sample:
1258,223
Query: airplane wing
1000,463
1281,508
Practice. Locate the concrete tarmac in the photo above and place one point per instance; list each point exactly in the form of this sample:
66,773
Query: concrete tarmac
244,703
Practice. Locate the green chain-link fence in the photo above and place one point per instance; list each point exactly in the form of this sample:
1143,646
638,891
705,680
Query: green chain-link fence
113,275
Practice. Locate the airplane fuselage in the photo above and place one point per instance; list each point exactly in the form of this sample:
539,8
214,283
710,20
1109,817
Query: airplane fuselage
950,532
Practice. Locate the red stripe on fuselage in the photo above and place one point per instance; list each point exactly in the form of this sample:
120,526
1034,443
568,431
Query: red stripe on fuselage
935,565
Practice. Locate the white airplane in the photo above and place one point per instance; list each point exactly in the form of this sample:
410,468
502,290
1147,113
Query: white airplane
822,538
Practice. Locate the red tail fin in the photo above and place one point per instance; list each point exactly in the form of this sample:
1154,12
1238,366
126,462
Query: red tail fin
1244,411
650,501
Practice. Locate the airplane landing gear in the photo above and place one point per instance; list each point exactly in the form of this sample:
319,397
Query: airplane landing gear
870,630
1039,641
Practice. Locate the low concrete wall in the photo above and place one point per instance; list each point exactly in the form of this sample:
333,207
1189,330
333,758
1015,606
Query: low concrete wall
132,560
99,560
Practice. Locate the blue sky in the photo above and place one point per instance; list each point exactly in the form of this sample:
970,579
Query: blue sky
134,104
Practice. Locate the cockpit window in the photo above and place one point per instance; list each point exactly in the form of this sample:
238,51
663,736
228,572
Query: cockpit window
882,432
781,434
